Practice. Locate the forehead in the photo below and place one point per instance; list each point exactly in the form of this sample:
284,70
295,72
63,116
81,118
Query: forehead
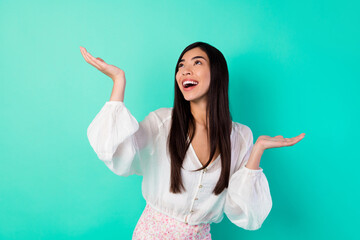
194,52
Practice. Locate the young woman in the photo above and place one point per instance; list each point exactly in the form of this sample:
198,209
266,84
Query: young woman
196,163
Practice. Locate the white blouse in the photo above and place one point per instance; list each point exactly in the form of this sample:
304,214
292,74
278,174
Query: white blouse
128,147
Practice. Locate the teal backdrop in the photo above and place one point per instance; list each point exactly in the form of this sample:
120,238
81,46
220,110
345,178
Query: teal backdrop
294,68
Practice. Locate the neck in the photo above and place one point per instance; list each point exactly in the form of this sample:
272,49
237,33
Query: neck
198,110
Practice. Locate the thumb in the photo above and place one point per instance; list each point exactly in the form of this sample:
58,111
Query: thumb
100,59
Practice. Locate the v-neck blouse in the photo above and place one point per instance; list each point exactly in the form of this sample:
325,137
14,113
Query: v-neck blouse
196,161
128,147
197,158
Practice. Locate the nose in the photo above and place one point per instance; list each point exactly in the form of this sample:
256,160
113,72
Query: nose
186,71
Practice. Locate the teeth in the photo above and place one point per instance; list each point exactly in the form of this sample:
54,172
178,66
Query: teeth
187,82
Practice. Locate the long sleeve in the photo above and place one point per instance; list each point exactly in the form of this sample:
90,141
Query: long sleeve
248,201
120,141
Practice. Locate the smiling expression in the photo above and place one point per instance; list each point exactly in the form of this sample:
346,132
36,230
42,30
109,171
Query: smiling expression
194,66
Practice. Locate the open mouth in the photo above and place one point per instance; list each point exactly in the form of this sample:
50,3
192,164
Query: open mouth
189,84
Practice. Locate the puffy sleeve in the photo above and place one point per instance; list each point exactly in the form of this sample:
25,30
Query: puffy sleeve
248,201
120,141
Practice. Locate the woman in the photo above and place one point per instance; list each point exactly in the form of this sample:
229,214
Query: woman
195,161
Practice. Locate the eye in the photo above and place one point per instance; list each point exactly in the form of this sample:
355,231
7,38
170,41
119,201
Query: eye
197,61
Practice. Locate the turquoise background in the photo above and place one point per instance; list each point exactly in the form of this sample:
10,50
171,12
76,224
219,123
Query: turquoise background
294,67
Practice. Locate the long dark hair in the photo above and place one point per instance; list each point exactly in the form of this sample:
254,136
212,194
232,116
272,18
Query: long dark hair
220,121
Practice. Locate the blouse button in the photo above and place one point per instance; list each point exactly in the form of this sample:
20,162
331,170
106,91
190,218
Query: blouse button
191,211
200,186
196,199
205,169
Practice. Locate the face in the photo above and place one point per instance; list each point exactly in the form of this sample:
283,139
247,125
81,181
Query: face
194,66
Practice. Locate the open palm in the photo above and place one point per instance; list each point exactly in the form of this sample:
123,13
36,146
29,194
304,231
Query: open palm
278,141
108,69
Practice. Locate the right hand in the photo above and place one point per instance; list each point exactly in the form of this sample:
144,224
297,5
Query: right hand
115,73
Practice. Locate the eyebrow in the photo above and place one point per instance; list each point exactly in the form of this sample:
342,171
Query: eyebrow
182,60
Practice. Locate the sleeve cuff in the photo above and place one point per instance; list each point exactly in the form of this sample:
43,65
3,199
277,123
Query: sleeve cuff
114,103
252,172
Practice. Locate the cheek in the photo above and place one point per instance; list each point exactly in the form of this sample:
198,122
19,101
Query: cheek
207,83
207,77
178,84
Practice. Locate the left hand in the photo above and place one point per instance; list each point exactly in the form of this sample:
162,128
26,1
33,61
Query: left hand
265,142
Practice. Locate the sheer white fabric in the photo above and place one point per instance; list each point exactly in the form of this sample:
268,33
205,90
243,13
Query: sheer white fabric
129,147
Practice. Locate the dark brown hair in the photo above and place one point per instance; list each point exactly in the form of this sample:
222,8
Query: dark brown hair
220,121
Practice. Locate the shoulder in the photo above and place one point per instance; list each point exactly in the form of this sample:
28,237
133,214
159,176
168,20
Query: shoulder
162,115
243,131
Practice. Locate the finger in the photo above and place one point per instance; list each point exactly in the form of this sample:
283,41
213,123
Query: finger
82,50
100,59
299,137
293,141
96,61
287,143
93,61
88,56
85,55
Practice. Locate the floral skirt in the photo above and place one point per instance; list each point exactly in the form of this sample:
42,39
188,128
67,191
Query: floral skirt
155,225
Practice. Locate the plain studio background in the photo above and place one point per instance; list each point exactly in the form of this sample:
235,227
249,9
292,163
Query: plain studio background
293,68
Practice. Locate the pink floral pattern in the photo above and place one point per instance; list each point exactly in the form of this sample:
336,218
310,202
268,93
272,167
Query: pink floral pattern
155,225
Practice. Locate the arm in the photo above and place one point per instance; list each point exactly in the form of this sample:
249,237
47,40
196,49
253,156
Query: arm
255,156
118,90
248,200
120,141
114,134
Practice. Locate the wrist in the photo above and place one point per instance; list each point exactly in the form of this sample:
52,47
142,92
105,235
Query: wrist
119,81
258,148
255,157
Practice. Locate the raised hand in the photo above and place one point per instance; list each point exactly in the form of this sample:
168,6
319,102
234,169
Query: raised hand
110,70
265,142
278,141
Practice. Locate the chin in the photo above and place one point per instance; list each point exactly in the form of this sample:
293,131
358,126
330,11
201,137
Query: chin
187,99
191,99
